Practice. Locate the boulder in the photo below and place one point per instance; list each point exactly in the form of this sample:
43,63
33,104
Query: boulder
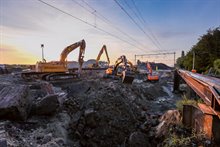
167,120
13,102
46,106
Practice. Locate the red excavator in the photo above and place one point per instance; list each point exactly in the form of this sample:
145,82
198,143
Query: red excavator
150,76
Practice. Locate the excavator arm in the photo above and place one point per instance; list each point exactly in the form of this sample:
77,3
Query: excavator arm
100,54
127,73
150,76
123,60
70,48
149,68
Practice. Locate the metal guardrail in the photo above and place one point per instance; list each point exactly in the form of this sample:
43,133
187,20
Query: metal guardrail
208,88
203,117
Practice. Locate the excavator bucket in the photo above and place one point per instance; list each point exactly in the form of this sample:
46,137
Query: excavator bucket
127,77
152,78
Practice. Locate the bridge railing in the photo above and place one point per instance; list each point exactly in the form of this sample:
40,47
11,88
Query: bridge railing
208,88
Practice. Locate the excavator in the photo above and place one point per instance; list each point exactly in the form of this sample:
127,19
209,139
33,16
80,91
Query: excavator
150,76
124,71
58,70
96,65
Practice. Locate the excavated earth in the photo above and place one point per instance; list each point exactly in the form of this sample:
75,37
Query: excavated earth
86,112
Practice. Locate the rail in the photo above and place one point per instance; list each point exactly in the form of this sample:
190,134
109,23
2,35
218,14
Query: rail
208,88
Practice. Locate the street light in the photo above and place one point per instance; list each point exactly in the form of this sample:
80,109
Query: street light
42,47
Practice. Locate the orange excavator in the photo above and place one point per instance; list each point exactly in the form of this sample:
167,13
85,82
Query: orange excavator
56,70
150,76
124,71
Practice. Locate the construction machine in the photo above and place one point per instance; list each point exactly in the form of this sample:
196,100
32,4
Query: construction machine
96,65
150,76
124,71
56,70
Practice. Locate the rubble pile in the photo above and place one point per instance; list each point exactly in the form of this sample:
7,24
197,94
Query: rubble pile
87,112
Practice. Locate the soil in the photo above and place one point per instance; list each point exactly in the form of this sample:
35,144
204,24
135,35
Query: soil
92,112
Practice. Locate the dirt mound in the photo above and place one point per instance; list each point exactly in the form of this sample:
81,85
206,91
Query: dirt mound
102,118
106,113
92,112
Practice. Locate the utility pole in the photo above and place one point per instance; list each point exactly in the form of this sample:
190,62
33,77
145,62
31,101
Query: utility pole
193,67
193,60
42,47
135,59
174,59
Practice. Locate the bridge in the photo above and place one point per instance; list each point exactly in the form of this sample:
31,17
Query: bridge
205,117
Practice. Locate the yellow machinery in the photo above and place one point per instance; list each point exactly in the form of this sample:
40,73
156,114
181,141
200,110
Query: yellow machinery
124,71
58,69
96,65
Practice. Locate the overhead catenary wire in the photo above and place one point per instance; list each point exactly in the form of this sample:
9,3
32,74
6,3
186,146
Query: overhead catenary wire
143,20
138,17
141,29
79,19
106,20
145,23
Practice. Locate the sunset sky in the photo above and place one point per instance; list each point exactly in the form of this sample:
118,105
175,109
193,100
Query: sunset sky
153,26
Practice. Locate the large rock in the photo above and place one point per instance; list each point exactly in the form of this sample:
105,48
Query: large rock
14,102
170,118
46,106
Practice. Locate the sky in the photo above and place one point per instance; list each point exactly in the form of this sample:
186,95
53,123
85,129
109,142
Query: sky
126,27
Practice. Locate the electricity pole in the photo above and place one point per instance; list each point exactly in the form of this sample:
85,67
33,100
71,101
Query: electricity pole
193,60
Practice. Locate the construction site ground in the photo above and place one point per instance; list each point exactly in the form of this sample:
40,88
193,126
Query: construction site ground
90,111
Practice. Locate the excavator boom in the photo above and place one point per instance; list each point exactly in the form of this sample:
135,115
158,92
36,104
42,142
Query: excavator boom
70,48
100,54
150,76
58,69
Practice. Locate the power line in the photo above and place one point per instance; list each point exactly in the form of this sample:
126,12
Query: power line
106,20
142,21
145,23
138,12
133,11
136,23
64,12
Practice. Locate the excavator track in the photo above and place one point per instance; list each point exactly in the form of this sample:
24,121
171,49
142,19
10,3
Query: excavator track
59,76
47,76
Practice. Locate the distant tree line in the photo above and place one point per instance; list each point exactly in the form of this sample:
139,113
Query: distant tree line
206,51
